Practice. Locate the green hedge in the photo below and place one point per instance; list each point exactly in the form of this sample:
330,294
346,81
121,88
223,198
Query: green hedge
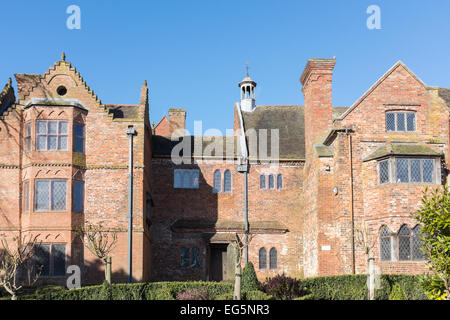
354,287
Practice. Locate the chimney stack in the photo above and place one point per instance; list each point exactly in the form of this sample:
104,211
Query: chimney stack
316,81
177,121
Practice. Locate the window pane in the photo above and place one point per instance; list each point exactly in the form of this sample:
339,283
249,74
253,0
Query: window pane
417,244
177,179
28,130
280,182
415,171
428,170
262,258
400,122
217,181
187,179
195,177
26,196
402,170
59,195
184,257
62,143
390,122
41,196
411,122
42,127
79,130
195,257
52,140
227,181
273,258
384,171
62,127
79,145
42,259
59,259
78,196
262,181
41,143
385,248
52,127
271,182
404,243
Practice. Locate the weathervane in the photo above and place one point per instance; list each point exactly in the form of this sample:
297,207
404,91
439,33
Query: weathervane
247,67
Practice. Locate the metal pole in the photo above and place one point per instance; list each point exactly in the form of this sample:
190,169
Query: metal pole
131,132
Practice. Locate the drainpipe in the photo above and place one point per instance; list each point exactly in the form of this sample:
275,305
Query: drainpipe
246,212
352,215
131,132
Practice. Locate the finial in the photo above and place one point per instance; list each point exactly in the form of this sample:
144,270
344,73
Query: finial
246,67
63,56
10,82
145,82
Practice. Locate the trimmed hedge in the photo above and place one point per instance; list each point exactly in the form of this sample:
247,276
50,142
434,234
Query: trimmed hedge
354,287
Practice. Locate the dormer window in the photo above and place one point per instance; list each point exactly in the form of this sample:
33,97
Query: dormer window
400,121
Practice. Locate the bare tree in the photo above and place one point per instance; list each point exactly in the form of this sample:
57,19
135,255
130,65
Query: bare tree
100,242
239,247
13,259
367,241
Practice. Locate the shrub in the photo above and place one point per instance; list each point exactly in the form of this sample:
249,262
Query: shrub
282,287
255,295
105,292
249,279
397,293
193,294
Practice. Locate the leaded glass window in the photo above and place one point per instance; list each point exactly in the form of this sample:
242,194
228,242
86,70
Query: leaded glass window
262,258
42,259
415,170
27,137
273,258
26,196
50,195
404,243
185,257
227,181
186,179
279,182
401,121
402,170
262,181
417,253
78,145
59,259
384,171
51,135
217,184
428,170
385,244
50,260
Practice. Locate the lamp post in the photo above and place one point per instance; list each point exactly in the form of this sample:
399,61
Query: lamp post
131,132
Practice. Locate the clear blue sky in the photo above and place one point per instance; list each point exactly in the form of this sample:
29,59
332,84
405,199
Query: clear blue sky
193,53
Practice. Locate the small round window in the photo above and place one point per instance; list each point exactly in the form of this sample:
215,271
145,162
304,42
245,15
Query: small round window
61,90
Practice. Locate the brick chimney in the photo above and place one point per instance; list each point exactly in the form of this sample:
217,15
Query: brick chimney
177,120
316,81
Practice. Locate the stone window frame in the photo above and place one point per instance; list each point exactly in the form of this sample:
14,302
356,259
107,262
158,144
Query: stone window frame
50,195
395,244
279,182
405,113
51,260
269,187
392,170
58,135
262,182
26,195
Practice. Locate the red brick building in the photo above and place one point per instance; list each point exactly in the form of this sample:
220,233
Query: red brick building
318,175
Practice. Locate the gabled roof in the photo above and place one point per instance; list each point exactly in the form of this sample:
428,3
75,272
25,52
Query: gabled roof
401,149
445,94
376,84
7,97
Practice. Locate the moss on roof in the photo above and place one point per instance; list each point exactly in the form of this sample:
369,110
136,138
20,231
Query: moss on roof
445,94
324,151
123,111
401,149
202,225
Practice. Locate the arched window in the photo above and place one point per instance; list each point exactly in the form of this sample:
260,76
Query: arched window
227,181
273,258
217,181
385,244
262,181
271,182
279,182
404,243
262,258
417,244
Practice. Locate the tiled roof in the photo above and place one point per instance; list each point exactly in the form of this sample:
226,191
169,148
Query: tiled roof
445,94
123,111
401,149
201,225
